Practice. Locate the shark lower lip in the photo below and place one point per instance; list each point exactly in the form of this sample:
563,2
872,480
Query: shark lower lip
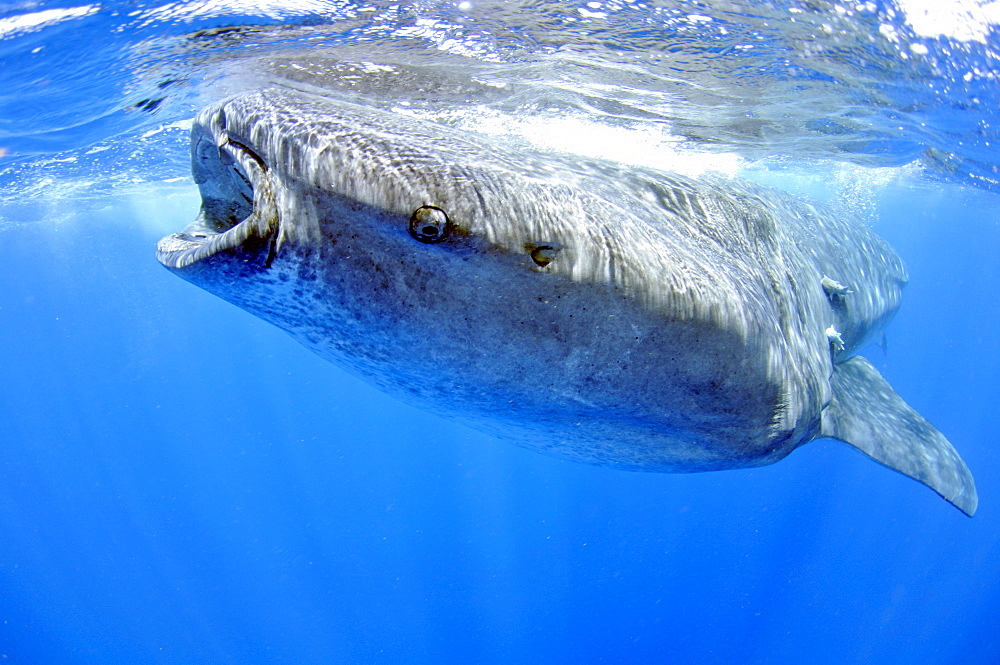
180,250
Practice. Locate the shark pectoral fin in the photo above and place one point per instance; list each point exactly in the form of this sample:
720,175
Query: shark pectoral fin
866,413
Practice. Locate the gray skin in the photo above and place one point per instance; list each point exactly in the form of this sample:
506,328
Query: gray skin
618,316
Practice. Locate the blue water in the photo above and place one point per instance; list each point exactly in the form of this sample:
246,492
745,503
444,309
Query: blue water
180,482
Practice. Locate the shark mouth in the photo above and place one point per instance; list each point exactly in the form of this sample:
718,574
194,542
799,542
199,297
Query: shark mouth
237,202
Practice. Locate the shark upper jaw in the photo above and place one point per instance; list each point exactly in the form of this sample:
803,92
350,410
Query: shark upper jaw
237,199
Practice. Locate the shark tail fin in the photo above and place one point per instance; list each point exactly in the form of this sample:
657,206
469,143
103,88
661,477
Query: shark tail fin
865,412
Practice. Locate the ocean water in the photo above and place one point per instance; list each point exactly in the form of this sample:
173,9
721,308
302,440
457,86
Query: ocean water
181,483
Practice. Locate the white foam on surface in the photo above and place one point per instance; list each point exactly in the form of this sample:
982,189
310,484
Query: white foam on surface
15,25
961,20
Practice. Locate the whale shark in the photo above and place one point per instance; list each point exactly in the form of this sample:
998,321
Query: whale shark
610,314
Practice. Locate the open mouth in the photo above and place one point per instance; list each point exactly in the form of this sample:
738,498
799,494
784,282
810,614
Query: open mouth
236,202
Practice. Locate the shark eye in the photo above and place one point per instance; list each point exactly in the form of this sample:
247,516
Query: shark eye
543,254
429,224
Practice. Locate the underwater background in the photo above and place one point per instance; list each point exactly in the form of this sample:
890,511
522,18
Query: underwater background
181,482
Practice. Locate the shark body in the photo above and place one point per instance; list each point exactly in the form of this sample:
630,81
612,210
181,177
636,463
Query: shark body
619,316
